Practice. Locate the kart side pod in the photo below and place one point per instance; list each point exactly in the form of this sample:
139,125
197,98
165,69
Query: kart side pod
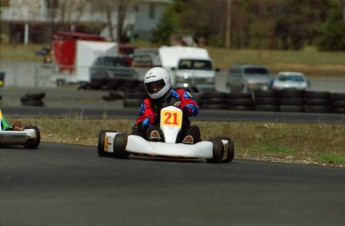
30,137
120,145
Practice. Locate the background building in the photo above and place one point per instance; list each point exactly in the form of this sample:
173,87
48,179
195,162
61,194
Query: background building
24,21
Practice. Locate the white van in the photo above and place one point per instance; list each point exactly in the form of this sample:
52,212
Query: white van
189,67
144,59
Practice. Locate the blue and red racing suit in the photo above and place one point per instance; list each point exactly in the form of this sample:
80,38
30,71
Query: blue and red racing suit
150,109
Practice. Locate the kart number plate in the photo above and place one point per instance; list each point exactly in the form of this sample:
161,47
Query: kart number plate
171,118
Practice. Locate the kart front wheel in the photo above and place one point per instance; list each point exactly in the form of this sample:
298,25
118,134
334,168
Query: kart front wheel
229,153
101,144
33,143
218,151
119,145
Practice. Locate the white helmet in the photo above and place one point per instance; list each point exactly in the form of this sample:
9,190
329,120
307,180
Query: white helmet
157,82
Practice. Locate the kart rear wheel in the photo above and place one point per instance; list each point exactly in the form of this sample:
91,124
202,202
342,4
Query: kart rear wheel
218,151
101,143
119,145
33,143
230,151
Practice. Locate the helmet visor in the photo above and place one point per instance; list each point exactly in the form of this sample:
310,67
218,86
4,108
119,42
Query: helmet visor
154,87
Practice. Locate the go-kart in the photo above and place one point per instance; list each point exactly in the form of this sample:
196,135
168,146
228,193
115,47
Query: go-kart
120,145
29,137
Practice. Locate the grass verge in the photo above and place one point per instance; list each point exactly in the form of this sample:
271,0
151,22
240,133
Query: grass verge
321,144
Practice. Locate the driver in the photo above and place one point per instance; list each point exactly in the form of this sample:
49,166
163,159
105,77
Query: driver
160,94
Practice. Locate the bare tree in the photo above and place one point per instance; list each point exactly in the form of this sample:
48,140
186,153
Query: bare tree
71,10
111,8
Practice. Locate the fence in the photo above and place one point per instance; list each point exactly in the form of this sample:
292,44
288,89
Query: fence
27,74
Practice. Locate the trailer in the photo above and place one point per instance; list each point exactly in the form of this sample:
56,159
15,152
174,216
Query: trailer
74,54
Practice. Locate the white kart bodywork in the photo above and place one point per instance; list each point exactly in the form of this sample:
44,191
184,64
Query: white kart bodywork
118,144
17,137
138,145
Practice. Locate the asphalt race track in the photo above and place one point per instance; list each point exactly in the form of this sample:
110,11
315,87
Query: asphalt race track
66,185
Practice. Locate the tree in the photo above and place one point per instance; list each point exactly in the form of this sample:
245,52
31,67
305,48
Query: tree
169,23
332,32
109,8
270,24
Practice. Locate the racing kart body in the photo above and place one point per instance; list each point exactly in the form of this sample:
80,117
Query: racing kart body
29,137
119,145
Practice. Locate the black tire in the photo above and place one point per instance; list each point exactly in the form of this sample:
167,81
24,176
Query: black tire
231,149
338,104
317,109
35,96
241,101
265,93
210,95
291,93
292,101
218,151
267,100
240,95
317,101
101,143
316,94
26,101
33,143
85,86
120,143
291,108
266,107
338,110
96,85
337,96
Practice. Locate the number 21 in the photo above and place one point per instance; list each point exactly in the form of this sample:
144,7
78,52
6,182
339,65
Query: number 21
171,118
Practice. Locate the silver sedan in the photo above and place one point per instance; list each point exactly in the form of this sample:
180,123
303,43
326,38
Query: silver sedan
290,80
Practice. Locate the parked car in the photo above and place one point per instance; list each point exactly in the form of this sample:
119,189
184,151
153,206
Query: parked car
290,80
247,78
111,70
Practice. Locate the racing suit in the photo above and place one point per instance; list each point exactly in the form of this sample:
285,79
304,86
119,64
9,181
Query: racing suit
149,115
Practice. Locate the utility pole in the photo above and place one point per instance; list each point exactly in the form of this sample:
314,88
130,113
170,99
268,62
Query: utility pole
52,17
228,25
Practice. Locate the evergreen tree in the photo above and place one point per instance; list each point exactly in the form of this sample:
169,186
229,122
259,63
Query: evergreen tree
332,33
